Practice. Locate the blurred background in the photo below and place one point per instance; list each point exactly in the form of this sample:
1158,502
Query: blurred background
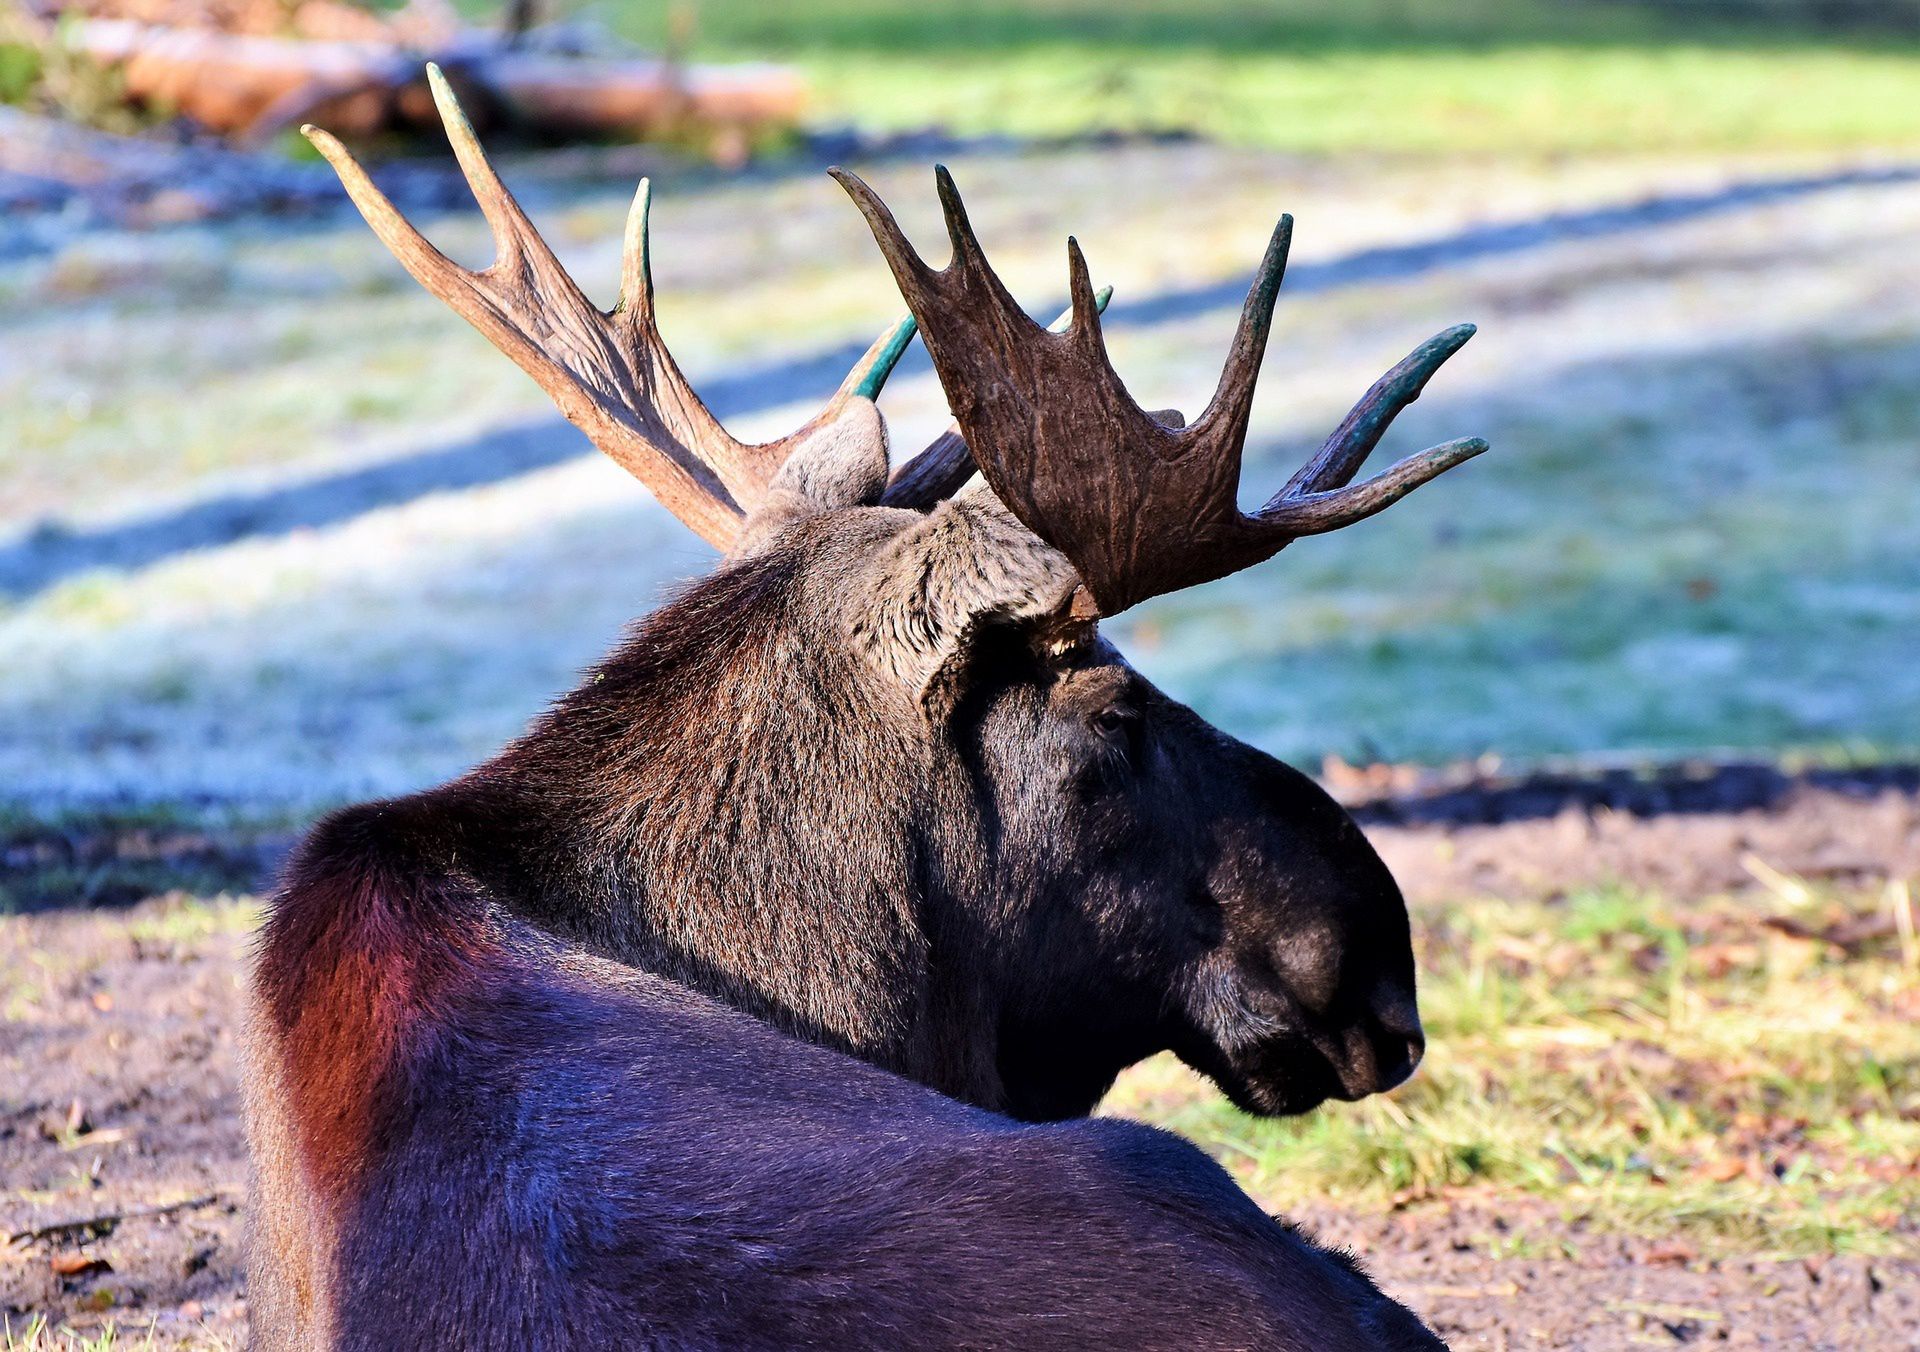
1632,703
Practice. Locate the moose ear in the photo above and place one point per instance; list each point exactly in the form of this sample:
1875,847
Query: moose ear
967,564
840,463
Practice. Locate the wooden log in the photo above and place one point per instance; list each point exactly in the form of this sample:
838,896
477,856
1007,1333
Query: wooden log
226,81
599,97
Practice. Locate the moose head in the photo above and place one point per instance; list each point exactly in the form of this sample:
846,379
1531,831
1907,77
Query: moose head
880,779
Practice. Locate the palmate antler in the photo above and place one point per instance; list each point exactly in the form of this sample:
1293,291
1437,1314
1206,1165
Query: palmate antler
609,372
1140,505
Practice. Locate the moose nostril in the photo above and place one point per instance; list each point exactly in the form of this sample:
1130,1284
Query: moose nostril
1396,1055
1396,1012
1384,1045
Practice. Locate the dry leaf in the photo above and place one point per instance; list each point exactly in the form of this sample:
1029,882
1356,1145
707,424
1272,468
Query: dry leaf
79,1265
1669,1253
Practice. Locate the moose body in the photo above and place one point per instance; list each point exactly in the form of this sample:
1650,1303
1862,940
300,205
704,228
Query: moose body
742,1001
520,1146
498,1100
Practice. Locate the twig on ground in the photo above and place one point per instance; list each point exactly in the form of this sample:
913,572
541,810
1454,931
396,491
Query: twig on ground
1849,938
1900,910
103,1224
1783,885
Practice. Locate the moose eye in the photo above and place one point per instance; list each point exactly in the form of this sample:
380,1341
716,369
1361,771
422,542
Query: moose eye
1120,728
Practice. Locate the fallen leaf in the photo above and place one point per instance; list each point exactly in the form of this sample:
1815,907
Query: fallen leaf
1669,1253
79,1265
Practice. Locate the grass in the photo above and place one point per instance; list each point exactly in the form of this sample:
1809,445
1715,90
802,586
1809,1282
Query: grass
1488,76
1630,1063
37,1335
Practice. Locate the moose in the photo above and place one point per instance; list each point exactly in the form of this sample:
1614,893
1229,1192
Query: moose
757,996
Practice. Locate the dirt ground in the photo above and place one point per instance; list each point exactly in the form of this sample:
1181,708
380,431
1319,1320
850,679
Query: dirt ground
123,1160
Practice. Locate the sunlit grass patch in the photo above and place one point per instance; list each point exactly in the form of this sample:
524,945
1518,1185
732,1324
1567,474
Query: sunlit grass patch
1645,1066
1324,78
35,1334
1533,99
173,925
185,920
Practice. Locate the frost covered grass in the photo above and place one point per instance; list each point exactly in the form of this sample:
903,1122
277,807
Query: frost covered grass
1696,529
1633,1063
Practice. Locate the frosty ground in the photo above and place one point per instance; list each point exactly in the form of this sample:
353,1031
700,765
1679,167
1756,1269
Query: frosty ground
276,542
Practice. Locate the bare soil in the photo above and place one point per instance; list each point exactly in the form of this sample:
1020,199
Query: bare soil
120,1140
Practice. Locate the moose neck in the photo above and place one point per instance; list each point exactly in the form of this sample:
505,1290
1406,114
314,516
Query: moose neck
717,804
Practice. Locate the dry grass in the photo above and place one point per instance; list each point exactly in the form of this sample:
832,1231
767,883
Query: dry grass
37,1335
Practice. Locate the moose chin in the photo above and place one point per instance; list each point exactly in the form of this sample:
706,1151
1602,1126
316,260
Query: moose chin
757,996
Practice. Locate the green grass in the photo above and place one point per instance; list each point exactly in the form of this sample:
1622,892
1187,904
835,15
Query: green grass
1640,1065
178,921
1324,78
37,1335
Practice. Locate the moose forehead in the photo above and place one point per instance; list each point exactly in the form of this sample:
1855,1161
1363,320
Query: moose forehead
1093,675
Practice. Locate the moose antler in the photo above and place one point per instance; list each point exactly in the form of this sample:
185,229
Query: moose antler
946,464
609,372
1139,504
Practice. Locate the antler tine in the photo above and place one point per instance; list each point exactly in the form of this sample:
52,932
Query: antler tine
908,268
1232,403
920,282
1340,458
870,373
610,373
431,268
1083,307
511,228
1294,515
636,262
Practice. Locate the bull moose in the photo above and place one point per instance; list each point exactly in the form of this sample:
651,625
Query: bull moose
745,1000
